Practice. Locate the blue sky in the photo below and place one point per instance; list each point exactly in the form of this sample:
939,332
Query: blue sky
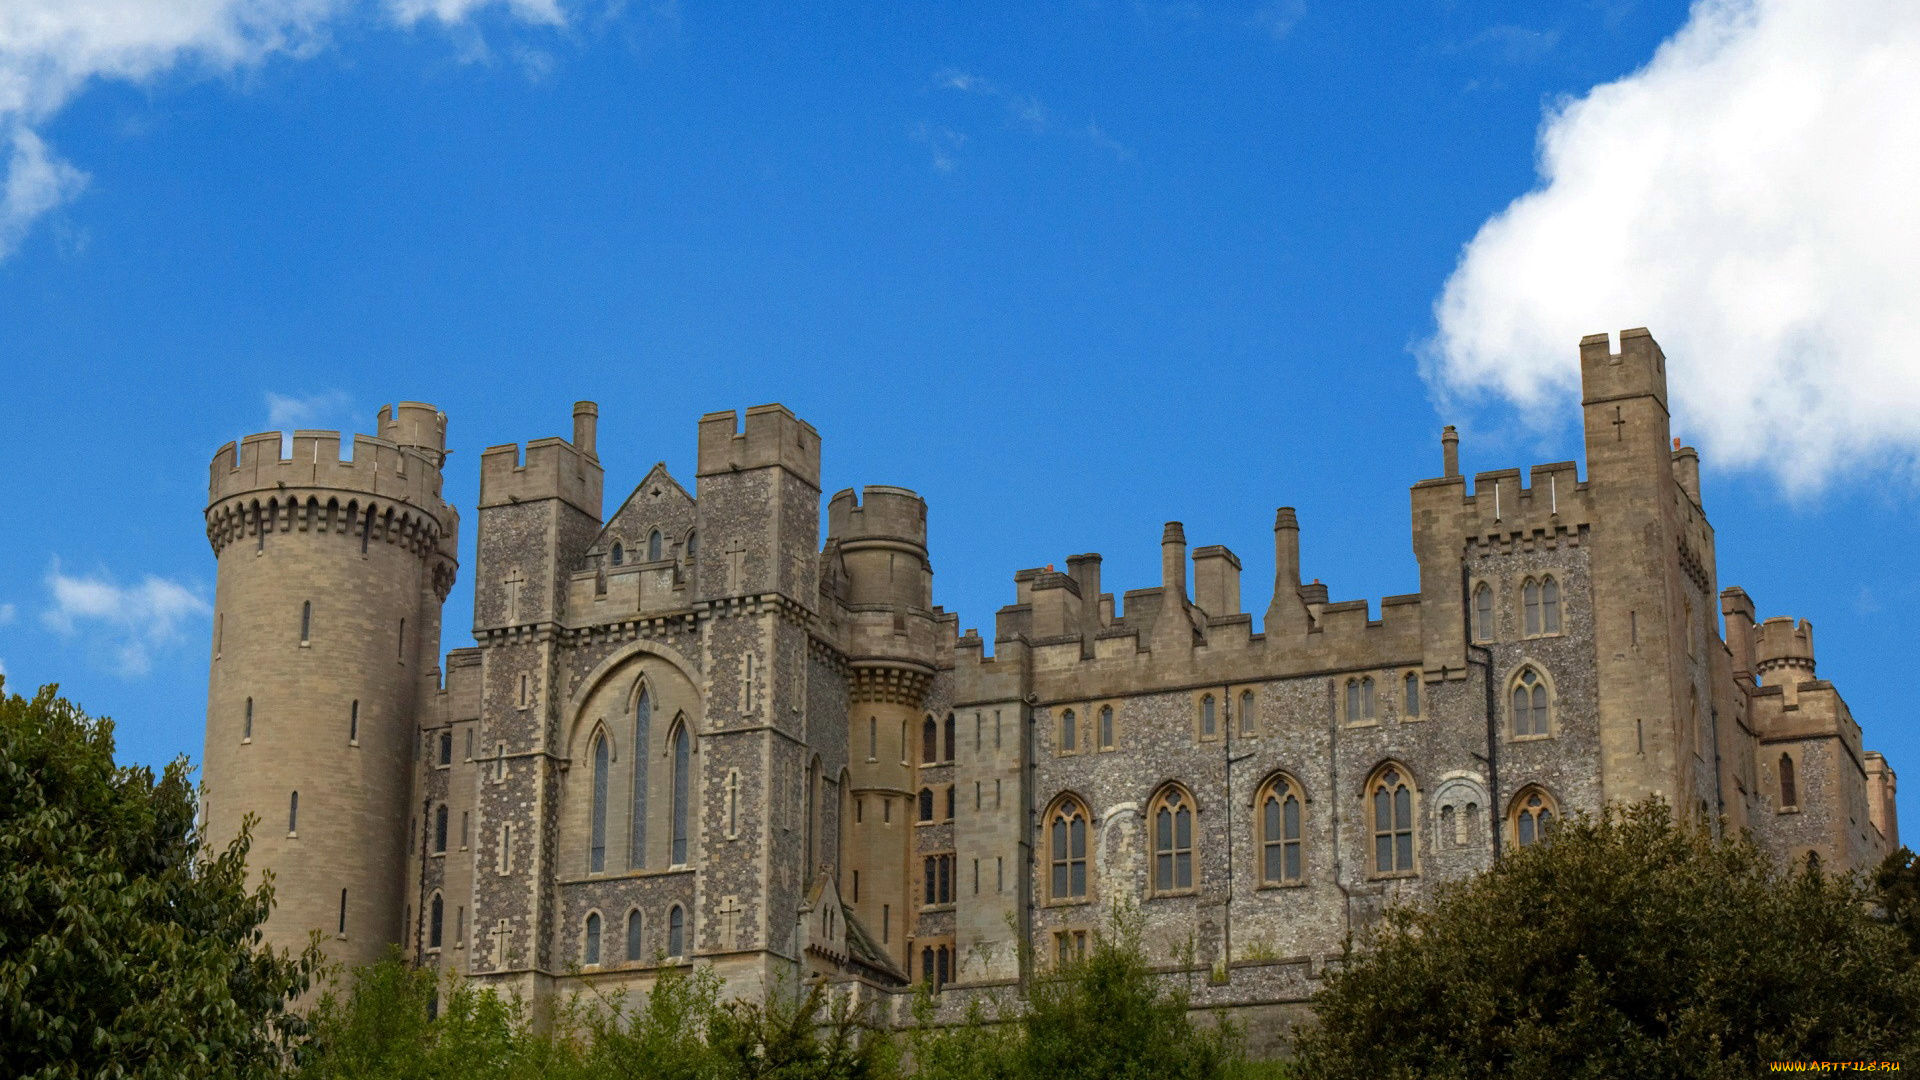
1070,271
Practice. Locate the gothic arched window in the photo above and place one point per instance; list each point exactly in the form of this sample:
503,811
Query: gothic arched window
593,938
1530,713
633,936
642,752
1789,789
1172,818
676,931
929,742
949,737
926,804
653,546
597,853
436,921
619,553
1209,724
1549,605
1411,693
1069,732
1247,712
1532,816
1106,727
1483,612
682,764
1067,849
1279,821
1392,822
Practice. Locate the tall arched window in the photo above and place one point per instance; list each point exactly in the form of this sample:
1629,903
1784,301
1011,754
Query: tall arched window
642,753
1530,604
593,938
1280,832
929,742
676,931
633,936
1532,816
1483,612
1172,816
949,737
1106,727
693,546
653,546
246,732
1069,732
1789,789
619,553
682,764
1067,849
1247,712
436,920
1529,703
1549,605
293,814
1392,823
926,804
440,829
1208,723
1411,693
597,854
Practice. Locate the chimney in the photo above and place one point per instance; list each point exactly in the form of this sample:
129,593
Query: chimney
1686,471
586,418
1286,612
1450,450
1173,564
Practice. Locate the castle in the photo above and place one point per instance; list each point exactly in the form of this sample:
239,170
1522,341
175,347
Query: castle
692,733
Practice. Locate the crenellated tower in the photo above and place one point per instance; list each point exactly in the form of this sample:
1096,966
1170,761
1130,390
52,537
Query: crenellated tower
326,639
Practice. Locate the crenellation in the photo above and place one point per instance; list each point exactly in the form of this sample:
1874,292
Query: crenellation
805,768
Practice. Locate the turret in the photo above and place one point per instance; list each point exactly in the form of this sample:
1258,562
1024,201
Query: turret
1783,651
330,578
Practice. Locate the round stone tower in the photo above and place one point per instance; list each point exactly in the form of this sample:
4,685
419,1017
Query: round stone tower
325,644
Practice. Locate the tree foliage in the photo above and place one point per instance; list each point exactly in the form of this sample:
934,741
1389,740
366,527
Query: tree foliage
1625,947
1896,885
124,949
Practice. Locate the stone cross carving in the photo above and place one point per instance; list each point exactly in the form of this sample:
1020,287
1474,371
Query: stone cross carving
729,909
502,931
1619,425
513,581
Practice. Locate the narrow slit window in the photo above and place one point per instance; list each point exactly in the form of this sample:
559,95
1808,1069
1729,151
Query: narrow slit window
353,722
1207,721
1069,735
246,731
342,928
682,752
1412,693
1106,727
633,936
306,622
436,919
293,813
440,829
597,826
676,932
593,938
1247,712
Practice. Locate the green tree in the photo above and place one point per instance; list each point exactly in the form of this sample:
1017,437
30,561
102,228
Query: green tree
124,948
1896,885
1624,947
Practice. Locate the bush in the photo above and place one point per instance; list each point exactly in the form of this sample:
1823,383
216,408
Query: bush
1624,947
125,949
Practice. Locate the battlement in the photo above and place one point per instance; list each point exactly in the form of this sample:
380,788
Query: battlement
773,437
554,468
1639,369
379,467
879,513
1502,501
1781,644
415,424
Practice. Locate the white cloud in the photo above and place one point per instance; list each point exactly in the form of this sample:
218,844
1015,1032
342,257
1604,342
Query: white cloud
1748,195
286,412
7,613
1022,109
130,624
50,50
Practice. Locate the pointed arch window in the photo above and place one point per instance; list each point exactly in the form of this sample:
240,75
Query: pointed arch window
676,931
693,545
1483,612
1209,723
1172,817
1280,832
1067,849
1549,605
1106,727
926,804
1392,823
1533,815
1789,787
633,936
1360,699
682,766
1069,732
436,920
593,938
1411,693
642,744
949,737
1530,712
619,553
597,855
653,546
1248,712
929,742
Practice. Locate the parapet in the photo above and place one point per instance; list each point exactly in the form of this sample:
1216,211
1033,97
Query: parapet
773,436
554,469
878,512
1781,644
1639,369
403,473
416,424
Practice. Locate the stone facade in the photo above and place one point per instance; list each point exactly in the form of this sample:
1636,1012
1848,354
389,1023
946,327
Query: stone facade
693,732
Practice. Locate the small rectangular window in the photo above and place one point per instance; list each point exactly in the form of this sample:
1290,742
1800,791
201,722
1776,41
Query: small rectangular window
293,814
886,923
446,748
469,744
306,622
400,645
343,913
353,722
463,830
999,873
856,886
